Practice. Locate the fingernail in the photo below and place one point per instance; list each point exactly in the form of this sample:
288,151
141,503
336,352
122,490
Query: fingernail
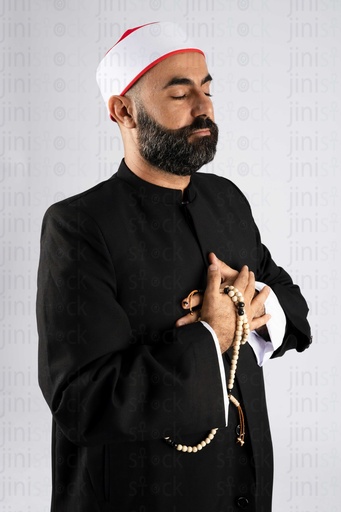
213,267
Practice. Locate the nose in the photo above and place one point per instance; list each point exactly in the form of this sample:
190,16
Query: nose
202,106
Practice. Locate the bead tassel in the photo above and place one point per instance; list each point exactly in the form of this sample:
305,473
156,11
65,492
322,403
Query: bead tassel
240,338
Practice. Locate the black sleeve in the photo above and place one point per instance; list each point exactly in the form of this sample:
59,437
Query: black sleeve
297,335
99,385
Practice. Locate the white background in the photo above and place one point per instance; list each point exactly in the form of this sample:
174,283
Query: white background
276,91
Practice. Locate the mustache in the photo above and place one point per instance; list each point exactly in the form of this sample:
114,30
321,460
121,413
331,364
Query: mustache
200,123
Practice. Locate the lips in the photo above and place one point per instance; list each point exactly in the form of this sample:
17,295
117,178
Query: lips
202,132
200,126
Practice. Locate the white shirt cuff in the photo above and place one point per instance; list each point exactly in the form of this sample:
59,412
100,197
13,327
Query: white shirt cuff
276,328
222,370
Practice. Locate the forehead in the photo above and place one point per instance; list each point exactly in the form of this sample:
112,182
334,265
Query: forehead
190,65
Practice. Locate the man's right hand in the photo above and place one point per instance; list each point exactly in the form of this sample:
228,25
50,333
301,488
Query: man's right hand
217,308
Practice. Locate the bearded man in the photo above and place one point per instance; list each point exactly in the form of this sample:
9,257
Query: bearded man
154,406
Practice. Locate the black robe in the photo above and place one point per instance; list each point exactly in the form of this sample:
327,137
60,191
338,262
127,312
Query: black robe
116,261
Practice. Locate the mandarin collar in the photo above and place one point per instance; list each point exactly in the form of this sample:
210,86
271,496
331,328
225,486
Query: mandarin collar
155,193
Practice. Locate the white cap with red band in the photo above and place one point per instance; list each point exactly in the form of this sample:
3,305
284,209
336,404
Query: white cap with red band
137,51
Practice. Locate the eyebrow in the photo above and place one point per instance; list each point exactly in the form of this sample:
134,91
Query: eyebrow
177,80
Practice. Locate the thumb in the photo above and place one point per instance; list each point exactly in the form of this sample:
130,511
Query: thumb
213,278
227,273
212,259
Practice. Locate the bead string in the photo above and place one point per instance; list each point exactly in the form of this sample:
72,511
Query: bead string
240,338
192,449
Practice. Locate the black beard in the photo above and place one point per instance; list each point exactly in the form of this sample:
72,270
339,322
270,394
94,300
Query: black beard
169,150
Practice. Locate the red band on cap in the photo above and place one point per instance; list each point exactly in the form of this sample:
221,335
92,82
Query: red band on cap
128,32
152,64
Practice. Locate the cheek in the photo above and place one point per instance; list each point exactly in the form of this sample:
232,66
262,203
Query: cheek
178,115
169,114
172,118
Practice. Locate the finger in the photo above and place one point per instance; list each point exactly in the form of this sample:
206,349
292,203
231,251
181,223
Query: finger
249,291
213,279
242,280
228,273
258,301
258,322
188,319
212,259
262,295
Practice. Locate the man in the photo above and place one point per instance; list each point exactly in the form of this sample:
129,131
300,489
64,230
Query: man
135,315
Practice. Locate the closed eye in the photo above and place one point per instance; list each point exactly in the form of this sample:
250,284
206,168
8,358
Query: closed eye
185,96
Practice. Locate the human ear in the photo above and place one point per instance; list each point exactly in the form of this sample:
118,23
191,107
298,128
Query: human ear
121,111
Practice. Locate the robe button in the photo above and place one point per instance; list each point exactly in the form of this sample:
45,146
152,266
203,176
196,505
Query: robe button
242,502
238,430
